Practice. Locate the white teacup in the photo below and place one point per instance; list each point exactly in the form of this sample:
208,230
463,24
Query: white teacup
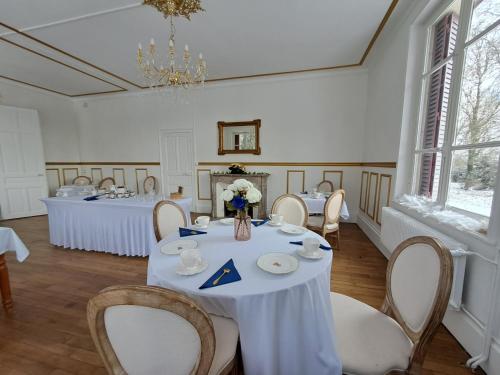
276,219
311,245
202,221
191,258
317,194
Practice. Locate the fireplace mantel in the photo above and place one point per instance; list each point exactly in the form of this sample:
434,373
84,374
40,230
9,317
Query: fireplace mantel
219,181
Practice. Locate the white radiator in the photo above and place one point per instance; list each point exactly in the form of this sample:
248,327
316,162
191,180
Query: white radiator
397,227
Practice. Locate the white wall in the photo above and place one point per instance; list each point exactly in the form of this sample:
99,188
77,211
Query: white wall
58,119
389,134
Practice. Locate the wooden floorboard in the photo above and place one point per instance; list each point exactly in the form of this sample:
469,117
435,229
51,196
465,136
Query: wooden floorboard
47,332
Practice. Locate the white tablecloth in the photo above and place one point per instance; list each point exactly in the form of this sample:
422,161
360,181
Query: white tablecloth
9,241
285,321
118,226
317,205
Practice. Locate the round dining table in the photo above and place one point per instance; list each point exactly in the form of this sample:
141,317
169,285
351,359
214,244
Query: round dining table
285,321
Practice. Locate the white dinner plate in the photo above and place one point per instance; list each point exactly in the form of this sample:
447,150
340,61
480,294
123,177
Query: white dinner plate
188,271
318,254
227,221
175,247
293,229
278,263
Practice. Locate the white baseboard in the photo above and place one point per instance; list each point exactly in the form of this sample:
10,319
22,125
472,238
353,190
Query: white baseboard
464,328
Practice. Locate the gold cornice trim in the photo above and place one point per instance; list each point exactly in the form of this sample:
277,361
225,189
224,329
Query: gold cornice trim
379,30
306,164
48,45
102,163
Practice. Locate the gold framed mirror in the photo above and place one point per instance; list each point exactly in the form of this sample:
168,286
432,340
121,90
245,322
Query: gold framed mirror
239,137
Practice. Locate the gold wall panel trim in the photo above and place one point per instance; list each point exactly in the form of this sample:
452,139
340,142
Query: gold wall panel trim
94,181
137,177
102,163
58,174
290,171
123,174
68,169
372,216
364,185
341,179
388,198
48,45
304,164
198,185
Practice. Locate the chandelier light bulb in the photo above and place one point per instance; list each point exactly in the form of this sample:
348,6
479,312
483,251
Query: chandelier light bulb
152,42
170,43
140,47
186,48
200,56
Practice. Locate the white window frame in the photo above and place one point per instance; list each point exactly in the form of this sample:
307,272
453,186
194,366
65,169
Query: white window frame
457,57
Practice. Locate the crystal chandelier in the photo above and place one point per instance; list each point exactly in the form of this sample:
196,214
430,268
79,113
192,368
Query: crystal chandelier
156,73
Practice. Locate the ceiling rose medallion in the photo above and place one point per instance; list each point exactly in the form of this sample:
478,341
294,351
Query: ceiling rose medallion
172,74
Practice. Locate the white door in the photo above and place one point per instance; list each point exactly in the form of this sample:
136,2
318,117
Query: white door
22,164
177,161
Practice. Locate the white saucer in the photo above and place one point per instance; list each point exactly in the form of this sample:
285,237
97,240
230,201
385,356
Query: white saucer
318,254
293,229
188,271
175,247
199,226
278,263
227,221
274,224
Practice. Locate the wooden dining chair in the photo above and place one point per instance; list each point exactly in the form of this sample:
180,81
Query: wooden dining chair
168,216
395,339
293,209
81,180
325,186
106,183
150,184
152,330
329,221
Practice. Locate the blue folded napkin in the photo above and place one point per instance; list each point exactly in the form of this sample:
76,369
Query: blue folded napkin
258,223
184,232
320,246
92,198
229,277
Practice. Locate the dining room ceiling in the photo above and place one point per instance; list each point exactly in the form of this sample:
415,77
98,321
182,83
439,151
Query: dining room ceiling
87,47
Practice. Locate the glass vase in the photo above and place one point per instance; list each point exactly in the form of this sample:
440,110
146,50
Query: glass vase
242,227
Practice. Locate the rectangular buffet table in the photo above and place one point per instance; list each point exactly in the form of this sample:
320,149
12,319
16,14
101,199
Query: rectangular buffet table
118,226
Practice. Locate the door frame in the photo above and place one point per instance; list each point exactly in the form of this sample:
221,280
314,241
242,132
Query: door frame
164,176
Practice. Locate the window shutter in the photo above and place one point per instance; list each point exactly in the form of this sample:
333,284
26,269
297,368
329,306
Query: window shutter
445,35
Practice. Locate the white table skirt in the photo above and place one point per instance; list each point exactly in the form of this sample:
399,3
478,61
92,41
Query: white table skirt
10,241
118,226
285,321
317,205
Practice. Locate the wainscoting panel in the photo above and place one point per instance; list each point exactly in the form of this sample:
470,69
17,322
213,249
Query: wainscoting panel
372,195
336,177
69,174
119,176
140,176
53,180
96,175
203,184
383,196
295,181
363,192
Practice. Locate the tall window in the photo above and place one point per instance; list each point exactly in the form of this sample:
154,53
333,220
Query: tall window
457,153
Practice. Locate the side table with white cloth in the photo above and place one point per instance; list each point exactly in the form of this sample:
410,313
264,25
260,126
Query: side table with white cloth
317,205
119,226
285,321
9,241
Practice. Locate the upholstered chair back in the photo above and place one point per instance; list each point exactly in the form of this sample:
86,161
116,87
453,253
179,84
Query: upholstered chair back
106,183
419,279
333,206
150,184
81,180
167,218
292,208
150,330
325,186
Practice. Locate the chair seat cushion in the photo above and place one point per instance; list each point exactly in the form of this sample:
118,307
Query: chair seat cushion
369,342
226,341
317,222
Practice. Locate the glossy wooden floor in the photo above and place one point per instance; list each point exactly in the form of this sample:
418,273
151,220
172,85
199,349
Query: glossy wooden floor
47,332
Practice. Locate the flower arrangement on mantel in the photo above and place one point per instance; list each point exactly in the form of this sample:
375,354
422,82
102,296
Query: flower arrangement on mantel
239,197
